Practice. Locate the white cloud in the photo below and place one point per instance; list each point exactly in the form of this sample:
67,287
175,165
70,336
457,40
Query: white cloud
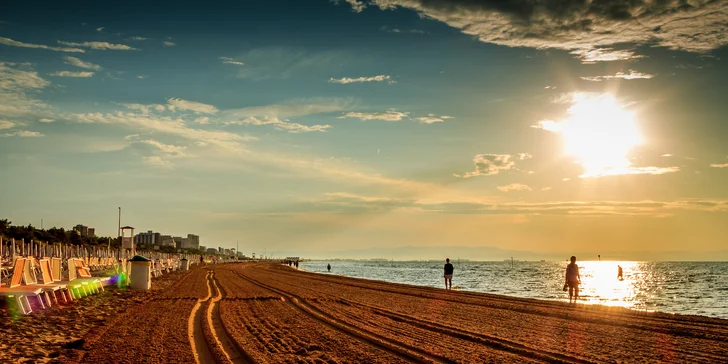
46,120
490,164
138,38
175,150
17,85
290,108
228,60
630,170
100,46
548,125
6,124
514,187
280,124
429,119
345,80
697,25
594,55
24,134
523,156
724,165
192,106
202,120
168,44
357,6
71,74
146,109
100,29
632,75
282,63
73,61
142,77
390,115
13,43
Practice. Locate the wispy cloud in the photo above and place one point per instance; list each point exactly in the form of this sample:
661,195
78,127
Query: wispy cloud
138,38
73,61
13,43
103,46
100,29
397,30
83,74
229,60
282,63
390,115
18,84
46,120
617,171
24,134
277,123
632,75
357,6
594,55
6,124
379,78
583,25
192,106
514,187
291,108
490,164
168,44
723,165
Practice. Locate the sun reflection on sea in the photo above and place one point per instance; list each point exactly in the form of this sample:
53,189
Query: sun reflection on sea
601,285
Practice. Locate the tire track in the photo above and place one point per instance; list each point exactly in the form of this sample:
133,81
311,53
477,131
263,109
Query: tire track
401,350
207,332
489,340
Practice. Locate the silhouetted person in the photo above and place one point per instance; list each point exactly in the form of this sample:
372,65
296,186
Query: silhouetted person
449,269
619,273
328,266
296,264
573,279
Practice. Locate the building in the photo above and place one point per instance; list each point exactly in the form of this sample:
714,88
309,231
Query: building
84,230
177,242
149,238
202,248
193,241
166,240
211,251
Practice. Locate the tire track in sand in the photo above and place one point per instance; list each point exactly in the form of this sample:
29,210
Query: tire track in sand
206,330
402,350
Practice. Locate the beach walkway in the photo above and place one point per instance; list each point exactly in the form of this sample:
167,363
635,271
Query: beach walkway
269,313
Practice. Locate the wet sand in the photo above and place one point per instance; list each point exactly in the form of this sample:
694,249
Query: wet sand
269,313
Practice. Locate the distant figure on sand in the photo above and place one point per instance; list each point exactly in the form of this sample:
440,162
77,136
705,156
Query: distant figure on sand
449,269
619,273
573,279
202,259
328,266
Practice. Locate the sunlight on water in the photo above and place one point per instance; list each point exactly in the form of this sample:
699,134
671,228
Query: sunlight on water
698,288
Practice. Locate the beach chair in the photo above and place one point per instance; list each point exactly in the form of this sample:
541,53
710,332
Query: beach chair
19,293
30,278
49,280
78,289
84,275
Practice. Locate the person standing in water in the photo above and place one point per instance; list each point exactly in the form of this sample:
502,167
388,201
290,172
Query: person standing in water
449,269
573,279
328,266
619,273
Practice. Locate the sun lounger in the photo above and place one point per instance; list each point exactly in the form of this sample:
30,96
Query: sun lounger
48,280
20,293
78,271
30,279
77,289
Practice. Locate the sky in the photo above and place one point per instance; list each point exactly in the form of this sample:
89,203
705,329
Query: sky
408,129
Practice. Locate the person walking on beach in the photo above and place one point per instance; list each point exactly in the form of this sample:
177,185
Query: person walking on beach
619,273
573,279
328,266
449,269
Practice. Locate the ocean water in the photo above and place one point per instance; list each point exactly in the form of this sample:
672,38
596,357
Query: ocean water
694,288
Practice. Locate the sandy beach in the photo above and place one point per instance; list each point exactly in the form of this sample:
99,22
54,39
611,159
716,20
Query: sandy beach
269,313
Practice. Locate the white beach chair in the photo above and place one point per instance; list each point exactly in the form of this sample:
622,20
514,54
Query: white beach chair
77,289
18,293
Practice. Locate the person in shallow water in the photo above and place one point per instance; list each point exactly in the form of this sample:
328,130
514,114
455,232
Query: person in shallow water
328,266
573,279
619,273
449,269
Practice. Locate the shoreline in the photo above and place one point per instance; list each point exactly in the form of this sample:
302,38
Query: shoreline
547,293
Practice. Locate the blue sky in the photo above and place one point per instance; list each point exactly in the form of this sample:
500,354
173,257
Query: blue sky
323,128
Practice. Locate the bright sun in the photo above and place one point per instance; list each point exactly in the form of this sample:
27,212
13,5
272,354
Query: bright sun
599,132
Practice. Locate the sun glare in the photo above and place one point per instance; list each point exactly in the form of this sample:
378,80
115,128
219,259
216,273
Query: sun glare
600,133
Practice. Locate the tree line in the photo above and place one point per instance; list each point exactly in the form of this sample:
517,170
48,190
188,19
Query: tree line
52,235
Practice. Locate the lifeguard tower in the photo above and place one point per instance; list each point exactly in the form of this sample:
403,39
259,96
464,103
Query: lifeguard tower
127,242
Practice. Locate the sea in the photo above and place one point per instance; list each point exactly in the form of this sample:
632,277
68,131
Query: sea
691,288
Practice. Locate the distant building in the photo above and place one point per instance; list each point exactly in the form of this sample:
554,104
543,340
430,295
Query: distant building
149,238
84,230
177,242
211,251
166,240
202,248
193,241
